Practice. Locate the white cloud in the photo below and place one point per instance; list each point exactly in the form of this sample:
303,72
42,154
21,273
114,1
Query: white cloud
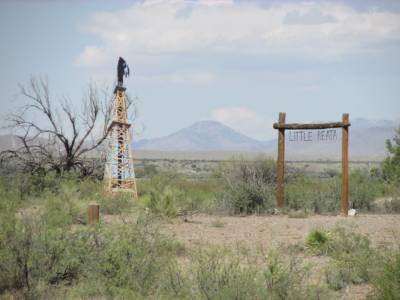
319,30
91,56
246,121
192,77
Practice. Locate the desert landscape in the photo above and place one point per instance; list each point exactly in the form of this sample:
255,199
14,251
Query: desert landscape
200,149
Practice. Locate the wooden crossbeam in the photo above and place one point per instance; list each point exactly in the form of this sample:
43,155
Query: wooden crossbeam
295,126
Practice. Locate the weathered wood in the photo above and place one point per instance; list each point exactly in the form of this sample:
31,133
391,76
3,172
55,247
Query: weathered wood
93,213
344,201
280,170
295,126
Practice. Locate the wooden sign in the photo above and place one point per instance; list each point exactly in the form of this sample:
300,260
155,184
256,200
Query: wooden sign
313,135
303,133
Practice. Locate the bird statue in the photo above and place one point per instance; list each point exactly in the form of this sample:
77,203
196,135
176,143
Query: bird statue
122,70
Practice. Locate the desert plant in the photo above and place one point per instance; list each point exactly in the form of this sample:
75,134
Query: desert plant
286,277
220,275
317,241
353,258
167,193
248,186
391,165
318,195
386,283
115,204
364,188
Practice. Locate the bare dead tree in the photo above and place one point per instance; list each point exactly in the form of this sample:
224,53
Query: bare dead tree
55,136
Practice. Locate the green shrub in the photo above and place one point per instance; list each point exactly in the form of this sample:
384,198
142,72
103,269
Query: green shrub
42,252
115,204
168,193
392,205
363,189
317,241
220,275
391,165
165,202
353,259
287,277
317,195
386,283
248,186
335,277
39,248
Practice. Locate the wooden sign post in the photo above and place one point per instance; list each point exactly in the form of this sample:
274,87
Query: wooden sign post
93,213
280,172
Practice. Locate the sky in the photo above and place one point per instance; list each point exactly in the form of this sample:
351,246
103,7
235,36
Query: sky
236,62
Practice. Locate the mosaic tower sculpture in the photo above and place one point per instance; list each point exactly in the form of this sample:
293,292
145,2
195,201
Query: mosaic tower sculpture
119,174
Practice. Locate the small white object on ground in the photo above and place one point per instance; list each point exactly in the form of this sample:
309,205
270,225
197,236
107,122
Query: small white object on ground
352,212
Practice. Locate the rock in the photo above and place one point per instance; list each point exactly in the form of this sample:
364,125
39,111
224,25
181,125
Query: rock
352,212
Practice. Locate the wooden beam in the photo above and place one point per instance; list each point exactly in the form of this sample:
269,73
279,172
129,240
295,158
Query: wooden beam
295,126
344,201
280,170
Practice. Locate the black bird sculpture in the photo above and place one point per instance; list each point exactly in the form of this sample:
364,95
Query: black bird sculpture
123,70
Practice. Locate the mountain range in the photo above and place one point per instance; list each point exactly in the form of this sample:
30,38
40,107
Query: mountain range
366,141
215,140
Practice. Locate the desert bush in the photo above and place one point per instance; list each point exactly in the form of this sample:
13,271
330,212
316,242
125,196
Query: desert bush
165,202
310,194
363,189
219,274
391,165
115,204
353,258
248,186
354,254
222,274
168,192
25,186
133,259
386,283
322,195
287,278
317,241
392,205
40,252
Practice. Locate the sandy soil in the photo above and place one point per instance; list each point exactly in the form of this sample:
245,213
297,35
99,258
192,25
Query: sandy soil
255,232
267,231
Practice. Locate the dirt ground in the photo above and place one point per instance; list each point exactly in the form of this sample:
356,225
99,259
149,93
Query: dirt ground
264,232
254,232
269,231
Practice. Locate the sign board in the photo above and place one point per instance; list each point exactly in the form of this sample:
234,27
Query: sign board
313,135
314,132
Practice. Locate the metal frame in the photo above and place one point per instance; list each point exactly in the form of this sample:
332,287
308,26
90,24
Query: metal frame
119,174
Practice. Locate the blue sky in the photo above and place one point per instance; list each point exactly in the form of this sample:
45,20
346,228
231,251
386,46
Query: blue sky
237,62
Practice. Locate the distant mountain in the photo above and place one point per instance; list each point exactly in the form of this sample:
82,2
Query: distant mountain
367,141
202,136
9,142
